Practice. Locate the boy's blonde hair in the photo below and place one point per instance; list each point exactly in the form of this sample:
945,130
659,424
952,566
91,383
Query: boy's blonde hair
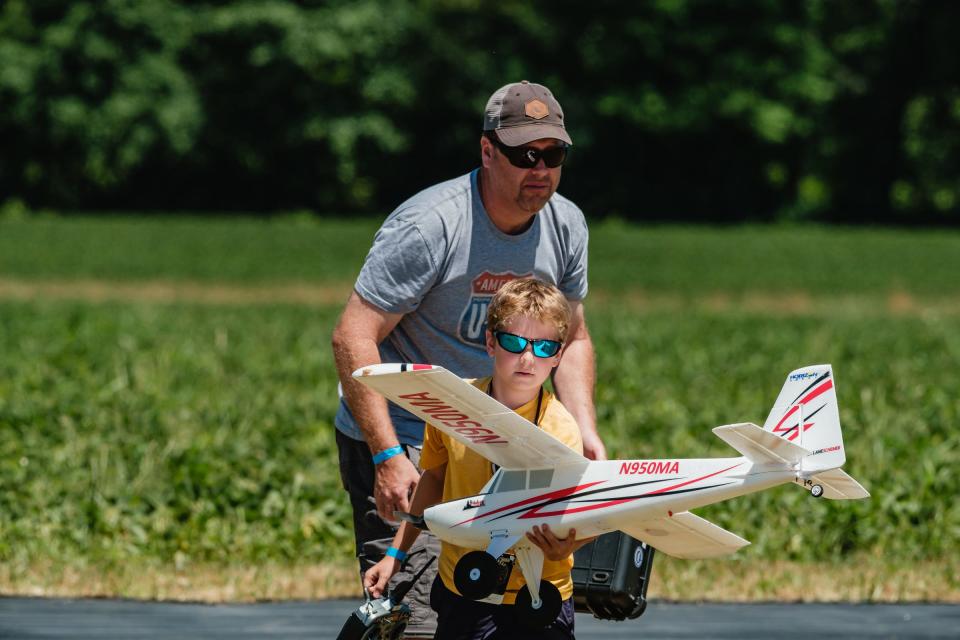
532,298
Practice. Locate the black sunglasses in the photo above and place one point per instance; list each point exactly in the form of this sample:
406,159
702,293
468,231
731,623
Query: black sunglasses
528,157
517,344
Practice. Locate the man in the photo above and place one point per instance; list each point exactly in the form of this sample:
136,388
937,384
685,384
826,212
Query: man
422,296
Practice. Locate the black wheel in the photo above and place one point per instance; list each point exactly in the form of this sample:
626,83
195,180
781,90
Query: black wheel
547,612
816,491
476,575
638,610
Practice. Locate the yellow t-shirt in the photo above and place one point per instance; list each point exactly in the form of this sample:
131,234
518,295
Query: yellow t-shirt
467,472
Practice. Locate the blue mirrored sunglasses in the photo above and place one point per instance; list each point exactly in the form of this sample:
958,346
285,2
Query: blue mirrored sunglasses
517,344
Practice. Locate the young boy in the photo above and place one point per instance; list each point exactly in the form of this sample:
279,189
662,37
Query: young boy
526,325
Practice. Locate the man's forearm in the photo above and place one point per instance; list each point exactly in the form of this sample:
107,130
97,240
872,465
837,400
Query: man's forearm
369,408
574,381
355,344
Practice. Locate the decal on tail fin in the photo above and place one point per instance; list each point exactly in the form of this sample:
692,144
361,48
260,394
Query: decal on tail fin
806,414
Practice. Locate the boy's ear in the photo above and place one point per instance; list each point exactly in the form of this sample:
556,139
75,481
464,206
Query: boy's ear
491,343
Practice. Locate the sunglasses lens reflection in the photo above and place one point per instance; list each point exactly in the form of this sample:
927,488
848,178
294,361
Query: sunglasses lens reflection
511,343
545,348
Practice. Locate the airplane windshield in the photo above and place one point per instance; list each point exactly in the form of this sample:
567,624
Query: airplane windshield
541,478
518,479
513,481
491,486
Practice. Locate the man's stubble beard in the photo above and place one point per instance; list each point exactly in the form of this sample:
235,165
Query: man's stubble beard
532,204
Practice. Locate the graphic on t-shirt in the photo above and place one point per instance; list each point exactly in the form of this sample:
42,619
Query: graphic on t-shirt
473,322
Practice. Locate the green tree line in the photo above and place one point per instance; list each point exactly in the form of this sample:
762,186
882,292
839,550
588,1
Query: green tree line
679,109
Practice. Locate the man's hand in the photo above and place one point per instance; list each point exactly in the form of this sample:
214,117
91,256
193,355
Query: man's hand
396,480
376,578
555,548
593,446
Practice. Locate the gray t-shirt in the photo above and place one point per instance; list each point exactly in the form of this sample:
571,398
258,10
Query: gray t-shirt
438,259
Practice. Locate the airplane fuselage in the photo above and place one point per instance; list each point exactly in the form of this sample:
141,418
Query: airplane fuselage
596,497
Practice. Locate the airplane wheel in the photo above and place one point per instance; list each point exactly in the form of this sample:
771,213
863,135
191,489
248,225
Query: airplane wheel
547,612
476,575
816,491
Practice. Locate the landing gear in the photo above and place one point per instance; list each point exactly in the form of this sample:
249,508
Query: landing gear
816,491
547,610
476,575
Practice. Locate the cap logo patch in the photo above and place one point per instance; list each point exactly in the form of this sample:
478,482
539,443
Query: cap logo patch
536,109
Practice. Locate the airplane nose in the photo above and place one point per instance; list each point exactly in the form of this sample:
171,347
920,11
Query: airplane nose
439,517
451,521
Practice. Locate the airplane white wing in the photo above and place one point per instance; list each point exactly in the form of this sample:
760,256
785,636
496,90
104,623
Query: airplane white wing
469,415
684,535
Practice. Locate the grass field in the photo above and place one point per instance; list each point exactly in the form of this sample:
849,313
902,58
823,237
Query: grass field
180,444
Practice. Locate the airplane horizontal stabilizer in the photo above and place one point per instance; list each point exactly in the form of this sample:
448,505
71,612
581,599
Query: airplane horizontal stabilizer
469,415
837,485
685,535
759,446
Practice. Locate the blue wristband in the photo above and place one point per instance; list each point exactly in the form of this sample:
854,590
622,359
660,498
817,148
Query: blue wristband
393,552
386,454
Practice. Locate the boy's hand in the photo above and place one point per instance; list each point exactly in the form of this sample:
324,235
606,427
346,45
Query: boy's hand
555,548
376,578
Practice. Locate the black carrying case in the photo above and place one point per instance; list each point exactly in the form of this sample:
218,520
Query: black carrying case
610,576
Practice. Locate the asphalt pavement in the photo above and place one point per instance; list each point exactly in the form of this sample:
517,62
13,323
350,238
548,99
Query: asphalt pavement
80,619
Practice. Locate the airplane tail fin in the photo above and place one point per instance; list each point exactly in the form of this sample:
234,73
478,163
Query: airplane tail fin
806,414
802,432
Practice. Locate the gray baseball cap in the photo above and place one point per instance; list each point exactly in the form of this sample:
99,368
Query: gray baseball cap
522,112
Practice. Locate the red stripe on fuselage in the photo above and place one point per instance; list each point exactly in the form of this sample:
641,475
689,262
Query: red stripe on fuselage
547,496
533,513
683,484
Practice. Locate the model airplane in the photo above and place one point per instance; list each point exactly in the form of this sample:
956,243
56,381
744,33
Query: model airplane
541,481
